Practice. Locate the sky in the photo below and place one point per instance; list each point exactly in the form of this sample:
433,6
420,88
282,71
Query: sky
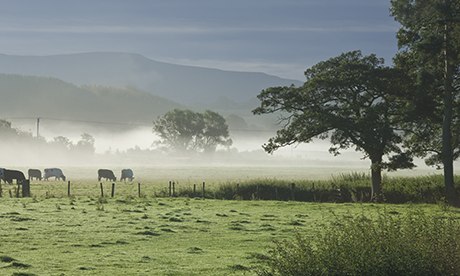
278,37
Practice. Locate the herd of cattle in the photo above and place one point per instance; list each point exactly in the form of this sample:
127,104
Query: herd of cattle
9,175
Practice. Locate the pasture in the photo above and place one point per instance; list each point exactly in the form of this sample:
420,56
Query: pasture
125,235
86,234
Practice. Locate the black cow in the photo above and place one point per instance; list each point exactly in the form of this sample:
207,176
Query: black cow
126,174
107,174
9,175
54,172
34,173
2,175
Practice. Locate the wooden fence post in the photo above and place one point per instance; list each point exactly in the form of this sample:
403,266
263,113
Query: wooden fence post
174,189
26,188
113,189
102,189
68,188
194,190
139,189
203,191
237,189
170,187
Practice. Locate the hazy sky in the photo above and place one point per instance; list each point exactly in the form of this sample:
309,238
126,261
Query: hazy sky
281,37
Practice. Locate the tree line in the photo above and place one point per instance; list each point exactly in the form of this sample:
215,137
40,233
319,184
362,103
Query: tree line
391,114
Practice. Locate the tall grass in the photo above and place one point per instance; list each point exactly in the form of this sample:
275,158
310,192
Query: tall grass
391,244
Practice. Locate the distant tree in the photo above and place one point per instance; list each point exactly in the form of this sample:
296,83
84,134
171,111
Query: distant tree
215,131
62,142
429,42
86,144
6,130
185,130
351,99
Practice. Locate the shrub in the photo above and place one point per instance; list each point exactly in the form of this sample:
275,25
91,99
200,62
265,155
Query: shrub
390,244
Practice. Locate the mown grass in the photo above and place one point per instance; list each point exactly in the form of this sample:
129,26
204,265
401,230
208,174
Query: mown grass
125,235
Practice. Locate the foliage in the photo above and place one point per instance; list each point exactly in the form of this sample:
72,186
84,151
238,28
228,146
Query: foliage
351,99
429,42
185,130
391,244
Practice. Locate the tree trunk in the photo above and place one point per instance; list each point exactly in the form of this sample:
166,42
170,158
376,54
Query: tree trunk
376,178
447,152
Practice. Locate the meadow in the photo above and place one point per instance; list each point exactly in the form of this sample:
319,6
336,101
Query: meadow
52,233
125,235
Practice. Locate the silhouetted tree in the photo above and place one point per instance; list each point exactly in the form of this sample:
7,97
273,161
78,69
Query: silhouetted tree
429,42
351,99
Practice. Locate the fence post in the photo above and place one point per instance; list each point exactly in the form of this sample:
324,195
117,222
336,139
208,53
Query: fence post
113,189
26,188
174,189
102,190
170,187
203,191
68,188
139,189
292,191
194,190
237,189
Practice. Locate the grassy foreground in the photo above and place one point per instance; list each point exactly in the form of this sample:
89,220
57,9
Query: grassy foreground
126,235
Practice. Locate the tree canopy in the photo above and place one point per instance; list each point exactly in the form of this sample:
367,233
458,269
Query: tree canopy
352,100
185,130
429,42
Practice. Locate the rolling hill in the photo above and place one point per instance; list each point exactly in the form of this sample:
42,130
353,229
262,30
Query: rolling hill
187,85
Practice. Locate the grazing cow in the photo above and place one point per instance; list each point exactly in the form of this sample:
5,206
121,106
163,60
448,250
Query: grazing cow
1,175
107,174
126,174
54,172
34,173
9,175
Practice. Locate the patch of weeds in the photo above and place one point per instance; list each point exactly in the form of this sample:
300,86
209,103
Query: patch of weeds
100,207
194,250
237,227
233,211
301,216
144,216
241,221
168,230
19,219
101,200
245,214
96,245
176,219
239,267
268,216
257,256
22,229
295,223
148,233
145,259
6,259
19,265
58,207
23,274
203,221
86,268
121,242
162,204
221,215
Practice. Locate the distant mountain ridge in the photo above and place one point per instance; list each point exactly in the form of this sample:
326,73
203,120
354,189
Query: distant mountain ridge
187,85
32,96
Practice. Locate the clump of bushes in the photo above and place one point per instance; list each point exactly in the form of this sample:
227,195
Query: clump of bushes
390,244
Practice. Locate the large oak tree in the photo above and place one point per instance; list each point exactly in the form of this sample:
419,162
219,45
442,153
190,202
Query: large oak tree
352,100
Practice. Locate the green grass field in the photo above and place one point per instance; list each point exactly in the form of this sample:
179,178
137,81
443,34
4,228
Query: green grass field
51,234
